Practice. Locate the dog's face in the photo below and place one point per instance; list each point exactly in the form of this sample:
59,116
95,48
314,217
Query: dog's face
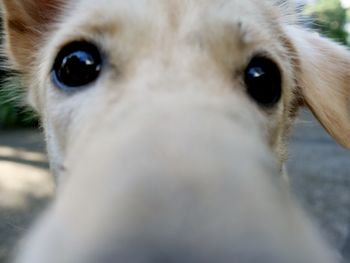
205,48
155,49
140,94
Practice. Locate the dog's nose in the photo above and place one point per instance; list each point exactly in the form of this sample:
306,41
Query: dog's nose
185,184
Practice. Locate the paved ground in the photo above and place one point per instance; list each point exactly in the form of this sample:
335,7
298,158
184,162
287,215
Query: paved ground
319,171
25,186
320,175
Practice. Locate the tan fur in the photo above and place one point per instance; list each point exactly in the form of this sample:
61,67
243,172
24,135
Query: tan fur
179,60
26,22
324,79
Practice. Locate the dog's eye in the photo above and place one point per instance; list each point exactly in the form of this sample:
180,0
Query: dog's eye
263,81
77,64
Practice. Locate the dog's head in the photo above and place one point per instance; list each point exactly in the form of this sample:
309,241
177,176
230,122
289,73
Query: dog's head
185,94
81,60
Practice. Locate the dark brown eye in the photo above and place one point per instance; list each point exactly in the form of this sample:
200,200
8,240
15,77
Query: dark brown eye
263,81
77,65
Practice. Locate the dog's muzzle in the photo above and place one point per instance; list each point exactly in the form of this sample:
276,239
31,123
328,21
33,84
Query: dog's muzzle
174,182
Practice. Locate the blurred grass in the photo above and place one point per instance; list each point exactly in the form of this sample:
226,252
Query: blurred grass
14,113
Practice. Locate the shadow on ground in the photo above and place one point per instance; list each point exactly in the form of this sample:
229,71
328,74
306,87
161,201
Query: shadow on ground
25,185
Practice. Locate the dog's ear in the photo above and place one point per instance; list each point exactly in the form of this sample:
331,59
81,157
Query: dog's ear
25,23
324,79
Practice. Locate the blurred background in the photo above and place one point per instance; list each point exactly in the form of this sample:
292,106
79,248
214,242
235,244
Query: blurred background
318,167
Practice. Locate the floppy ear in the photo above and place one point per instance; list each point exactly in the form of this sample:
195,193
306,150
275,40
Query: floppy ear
25,22
324,80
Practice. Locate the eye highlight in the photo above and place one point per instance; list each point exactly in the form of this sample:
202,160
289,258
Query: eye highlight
263,81
77,65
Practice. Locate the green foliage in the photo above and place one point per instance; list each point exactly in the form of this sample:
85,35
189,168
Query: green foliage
329,18
12,116
14,113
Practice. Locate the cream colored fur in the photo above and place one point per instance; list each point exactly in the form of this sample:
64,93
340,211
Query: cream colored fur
165,155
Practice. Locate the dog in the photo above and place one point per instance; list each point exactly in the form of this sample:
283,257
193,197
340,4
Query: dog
166,124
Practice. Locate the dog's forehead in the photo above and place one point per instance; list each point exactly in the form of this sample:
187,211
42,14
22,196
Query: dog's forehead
180,16
180,7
